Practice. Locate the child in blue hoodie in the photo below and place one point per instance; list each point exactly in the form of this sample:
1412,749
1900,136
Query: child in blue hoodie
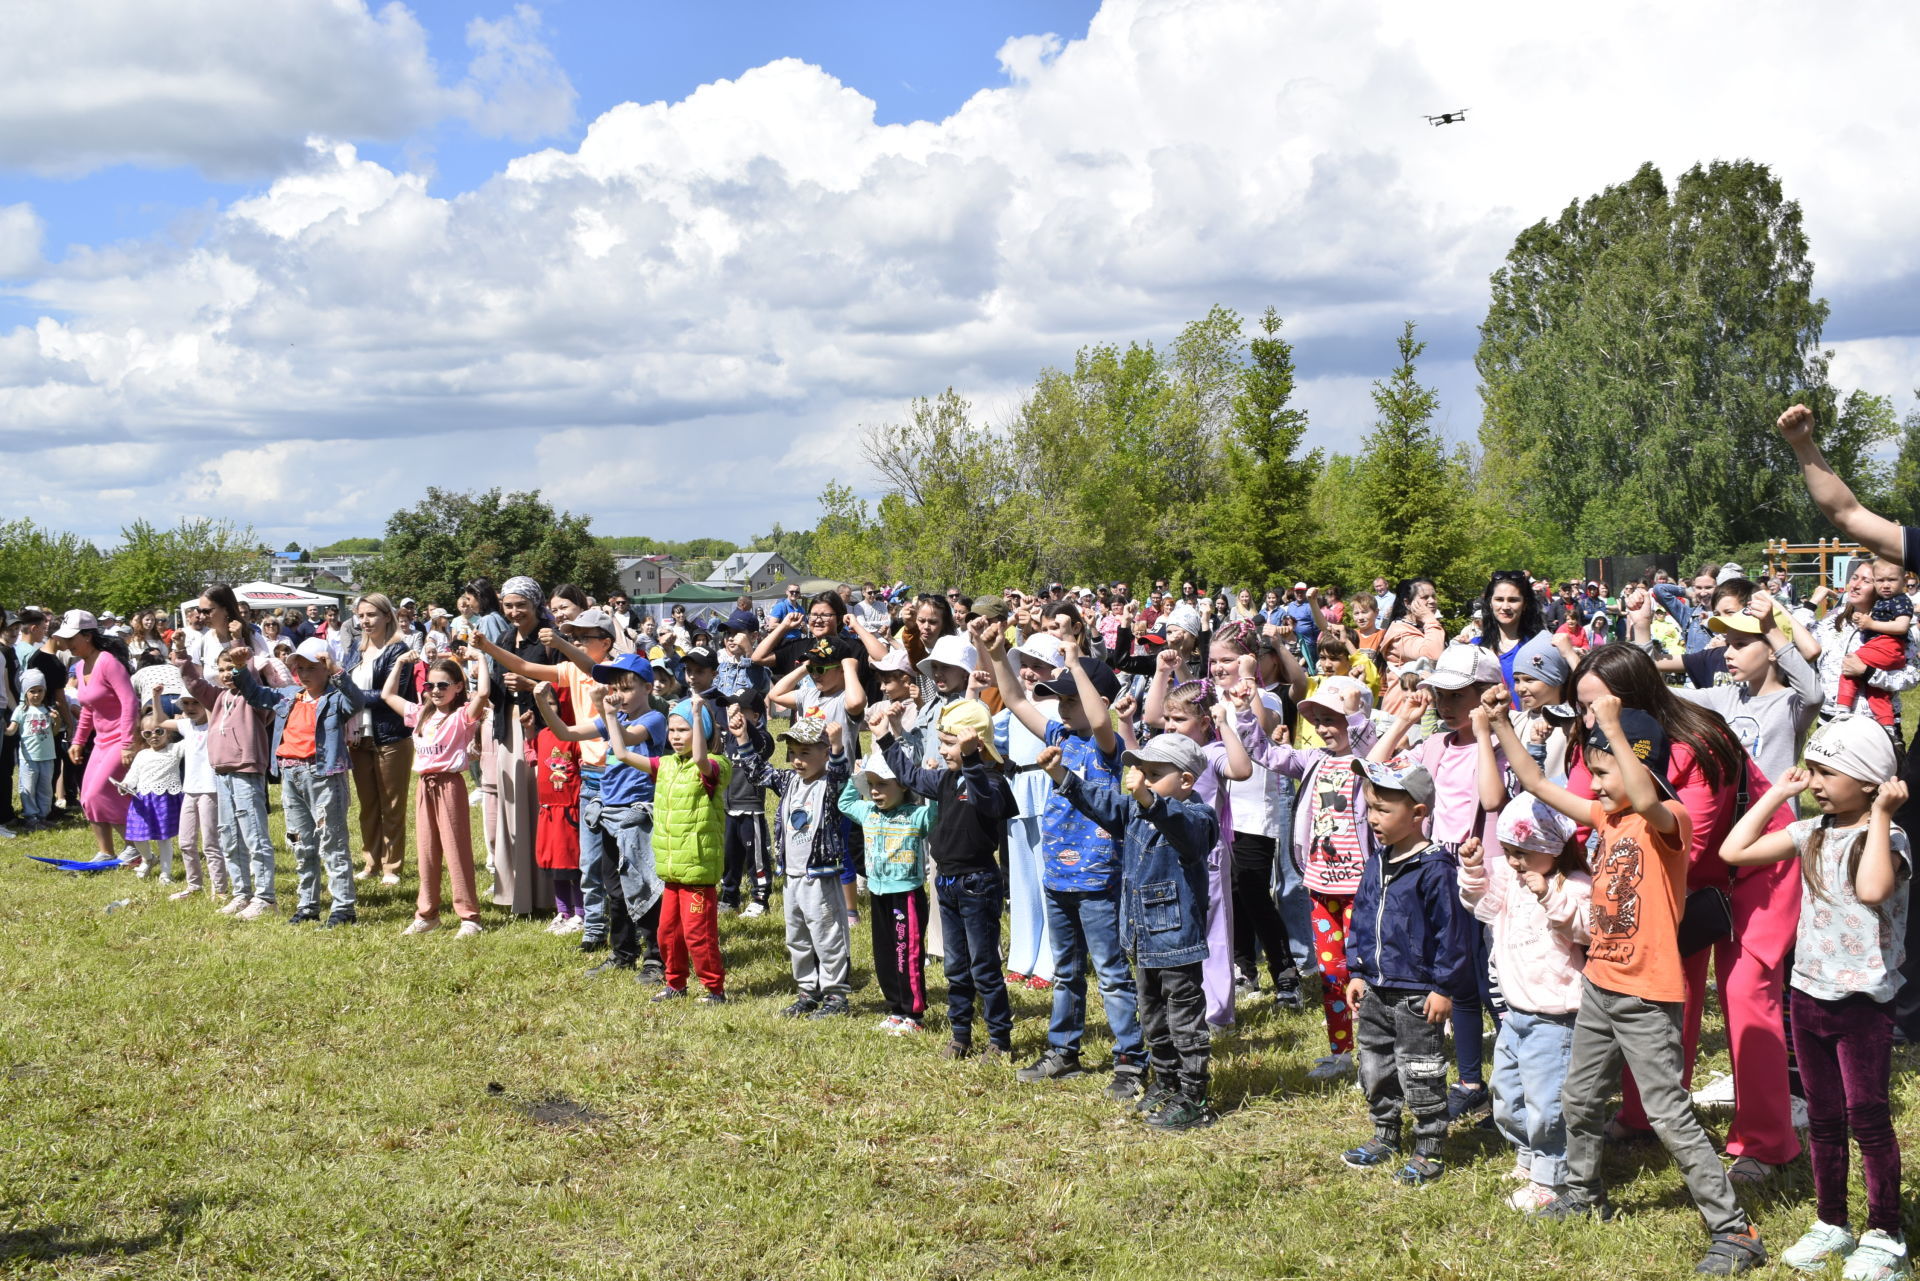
1165,837
1409,961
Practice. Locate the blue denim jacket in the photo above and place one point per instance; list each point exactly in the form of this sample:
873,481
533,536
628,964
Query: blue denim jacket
1163,869
340,703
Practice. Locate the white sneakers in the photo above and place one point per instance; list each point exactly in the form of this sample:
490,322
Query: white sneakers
755,908
390,879
234,904
566,925
421,925
1875,1256
189,892
469,929
1532,1197
1717,1093
253,911
1878,1257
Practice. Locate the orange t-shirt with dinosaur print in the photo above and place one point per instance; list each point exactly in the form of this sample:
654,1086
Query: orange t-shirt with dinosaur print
1639,886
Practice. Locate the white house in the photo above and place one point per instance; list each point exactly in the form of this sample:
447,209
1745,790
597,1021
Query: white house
756,573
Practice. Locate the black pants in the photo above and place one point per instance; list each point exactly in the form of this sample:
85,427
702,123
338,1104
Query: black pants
1255,915
71,772
1173,1021
1403,1062
626,936
749,857
9,754
900,951
1906,1002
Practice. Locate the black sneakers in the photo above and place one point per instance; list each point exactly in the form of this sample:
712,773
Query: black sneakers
801,1008
832,1006
1128,1082
303,915
1732,1252
607,967
1182,1113
1054,1065
1155,1097
338,919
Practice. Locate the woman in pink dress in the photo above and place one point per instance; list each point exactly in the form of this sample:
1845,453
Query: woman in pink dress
108,712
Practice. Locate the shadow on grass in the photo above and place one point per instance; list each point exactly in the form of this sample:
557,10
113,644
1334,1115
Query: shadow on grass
52,1241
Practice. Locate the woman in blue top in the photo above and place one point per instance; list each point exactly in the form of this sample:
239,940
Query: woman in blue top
1510,617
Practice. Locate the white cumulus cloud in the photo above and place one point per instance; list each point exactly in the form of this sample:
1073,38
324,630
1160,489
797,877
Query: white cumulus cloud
235,87
679,324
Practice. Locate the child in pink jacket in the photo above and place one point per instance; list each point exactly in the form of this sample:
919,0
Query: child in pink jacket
1534,901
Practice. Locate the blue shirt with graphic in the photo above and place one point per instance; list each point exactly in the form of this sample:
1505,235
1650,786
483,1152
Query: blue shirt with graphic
622,784
1077,853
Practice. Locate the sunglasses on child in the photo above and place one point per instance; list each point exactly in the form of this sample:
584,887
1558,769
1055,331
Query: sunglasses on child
443,684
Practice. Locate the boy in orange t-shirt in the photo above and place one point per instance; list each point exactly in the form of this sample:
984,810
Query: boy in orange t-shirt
1633,992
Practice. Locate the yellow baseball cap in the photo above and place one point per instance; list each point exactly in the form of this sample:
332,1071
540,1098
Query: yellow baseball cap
970,713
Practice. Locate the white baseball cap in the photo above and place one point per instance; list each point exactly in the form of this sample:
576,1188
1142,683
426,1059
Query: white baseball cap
75,621
314,650
1461,666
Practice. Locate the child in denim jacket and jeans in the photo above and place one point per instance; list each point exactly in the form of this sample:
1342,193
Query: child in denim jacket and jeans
310,722
1165,838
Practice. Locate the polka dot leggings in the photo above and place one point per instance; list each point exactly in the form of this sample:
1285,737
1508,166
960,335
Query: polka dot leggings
1332,921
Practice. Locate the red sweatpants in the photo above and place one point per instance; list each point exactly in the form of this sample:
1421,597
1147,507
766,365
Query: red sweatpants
1332,922
690,924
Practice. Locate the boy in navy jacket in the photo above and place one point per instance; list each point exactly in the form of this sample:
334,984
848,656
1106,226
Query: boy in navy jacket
1408,957
1165,839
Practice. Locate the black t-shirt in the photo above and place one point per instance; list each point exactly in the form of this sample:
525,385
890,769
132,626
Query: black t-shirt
504,704
56,673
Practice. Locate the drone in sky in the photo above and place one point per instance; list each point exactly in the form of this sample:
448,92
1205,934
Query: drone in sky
1448,118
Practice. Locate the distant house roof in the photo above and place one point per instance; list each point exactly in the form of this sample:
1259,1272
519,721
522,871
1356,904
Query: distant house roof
288,556
742,566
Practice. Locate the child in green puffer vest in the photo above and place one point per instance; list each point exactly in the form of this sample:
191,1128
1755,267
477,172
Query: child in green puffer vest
689,841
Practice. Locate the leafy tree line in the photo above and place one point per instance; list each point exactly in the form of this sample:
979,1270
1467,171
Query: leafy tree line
1635,353
151,567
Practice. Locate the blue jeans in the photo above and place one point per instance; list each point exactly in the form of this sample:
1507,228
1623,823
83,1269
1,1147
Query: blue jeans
593,853
1290,891
36,790
246,842
1530,1060
315,808
970,907
1085,925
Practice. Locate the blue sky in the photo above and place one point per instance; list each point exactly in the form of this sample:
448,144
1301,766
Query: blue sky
292,263
917,61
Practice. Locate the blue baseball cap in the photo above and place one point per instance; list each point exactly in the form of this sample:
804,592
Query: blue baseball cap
635,663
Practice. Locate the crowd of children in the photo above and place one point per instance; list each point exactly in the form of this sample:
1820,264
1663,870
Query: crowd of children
1518,828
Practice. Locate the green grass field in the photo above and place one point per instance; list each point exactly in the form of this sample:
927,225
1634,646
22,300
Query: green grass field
182,1095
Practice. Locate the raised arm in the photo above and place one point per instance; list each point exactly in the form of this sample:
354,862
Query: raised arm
550,716
1410,713
1489,777
1099,714
1154,711
992,641
514,663
1750,843
769,645
1879,535
786,691
389,690
617,746
1534,779
876,647
1643,794
1239,766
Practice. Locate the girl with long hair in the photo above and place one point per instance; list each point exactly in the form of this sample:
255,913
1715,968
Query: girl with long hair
1708,772
378,743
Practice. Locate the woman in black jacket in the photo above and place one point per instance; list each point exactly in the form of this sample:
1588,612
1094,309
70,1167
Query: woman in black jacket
378,742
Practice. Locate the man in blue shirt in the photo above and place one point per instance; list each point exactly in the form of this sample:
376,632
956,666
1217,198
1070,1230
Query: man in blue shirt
789,604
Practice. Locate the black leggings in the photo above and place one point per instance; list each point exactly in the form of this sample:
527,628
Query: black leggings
1255,916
